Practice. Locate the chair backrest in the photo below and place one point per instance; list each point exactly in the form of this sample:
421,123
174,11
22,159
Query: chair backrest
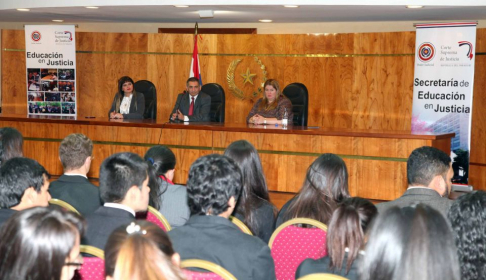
216,272
291,244
63,204
93,268
322,276
147,88
298,95
217,101
157,218
240,225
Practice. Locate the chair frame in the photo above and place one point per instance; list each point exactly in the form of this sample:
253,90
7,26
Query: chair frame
293,222
64,205
212,267
159,216
322,276
240,224
97,252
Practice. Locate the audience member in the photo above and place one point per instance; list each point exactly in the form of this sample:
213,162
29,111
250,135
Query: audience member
141,250
24,183
325,184
345,239
124,189
413,242
192,105
11,144
41,244
127,103
253,207
73,187
213,187
468,219
429,174
168,198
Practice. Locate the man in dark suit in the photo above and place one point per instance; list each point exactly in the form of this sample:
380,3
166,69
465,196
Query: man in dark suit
429,174
73,187
124,188
213,187
24,184
192,105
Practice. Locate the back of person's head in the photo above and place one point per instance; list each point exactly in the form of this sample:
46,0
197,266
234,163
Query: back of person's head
424,164
141,250
11,144
161,161
123,80
37,243
254,185
74,150
468,219
409,243
120,172
213,180
346,230
325,184
19,175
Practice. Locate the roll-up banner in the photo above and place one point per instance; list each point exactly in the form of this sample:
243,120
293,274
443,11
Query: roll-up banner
443,86
50,52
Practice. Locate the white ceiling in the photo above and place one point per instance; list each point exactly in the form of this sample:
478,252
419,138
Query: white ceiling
163,11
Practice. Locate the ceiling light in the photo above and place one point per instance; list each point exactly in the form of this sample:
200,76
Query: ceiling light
414,7
92,7
206,14
181,6
23,10
265,20
58,20
291,6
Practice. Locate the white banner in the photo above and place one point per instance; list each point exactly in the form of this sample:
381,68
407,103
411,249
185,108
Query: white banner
443,86
50,52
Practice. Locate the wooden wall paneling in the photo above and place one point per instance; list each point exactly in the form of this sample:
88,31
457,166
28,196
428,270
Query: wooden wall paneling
187,137
185,158
280,198
14,88
46,153
477,176
478,132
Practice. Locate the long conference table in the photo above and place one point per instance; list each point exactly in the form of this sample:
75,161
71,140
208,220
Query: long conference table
376,159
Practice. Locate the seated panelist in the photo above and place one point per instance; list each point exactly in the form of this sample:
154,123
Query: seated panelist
272,107
192,105
127,104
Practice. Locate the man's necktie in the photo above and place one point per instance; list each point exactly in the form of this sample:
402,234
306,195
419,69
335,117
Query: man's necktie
191,107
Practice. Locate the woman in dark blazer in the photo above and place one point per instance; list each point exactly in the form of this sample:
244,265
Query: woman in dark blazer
127,103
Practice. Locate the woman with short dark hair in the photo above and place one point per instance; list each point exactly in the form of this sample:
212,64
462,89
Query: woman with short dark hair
42,244
253,206
127,103
345,239
325,185
11,144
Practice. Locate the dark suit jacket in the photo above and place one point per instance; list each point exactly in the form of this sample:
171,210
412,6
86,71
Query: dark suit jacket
133,113
77,191
217,240
102,223
5,214
202,106
310,266
281,214
419,195
265,220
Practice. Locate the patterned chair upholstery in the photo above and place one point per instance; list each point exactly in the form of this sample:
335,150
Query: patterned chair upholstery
93,268
322,276
291,244
215,272
155,217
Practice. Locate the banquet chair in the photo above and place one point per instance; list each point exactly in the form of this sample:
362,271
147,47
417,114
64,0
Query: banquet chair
215,272
298,95
240,225
63,204
216,92
93,268
322,276
147,88
155,217
291,243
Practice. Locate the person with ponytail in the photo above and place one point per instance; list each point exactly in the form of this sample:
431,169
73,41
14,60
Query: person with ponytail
170,199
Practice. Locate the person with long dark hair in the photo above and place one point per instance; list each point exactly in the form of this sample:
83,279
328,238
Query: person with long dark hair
42,244
345,239
413,242
325,185
253,207
272,107
170,199
11,144
127,103
467,216
141,250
